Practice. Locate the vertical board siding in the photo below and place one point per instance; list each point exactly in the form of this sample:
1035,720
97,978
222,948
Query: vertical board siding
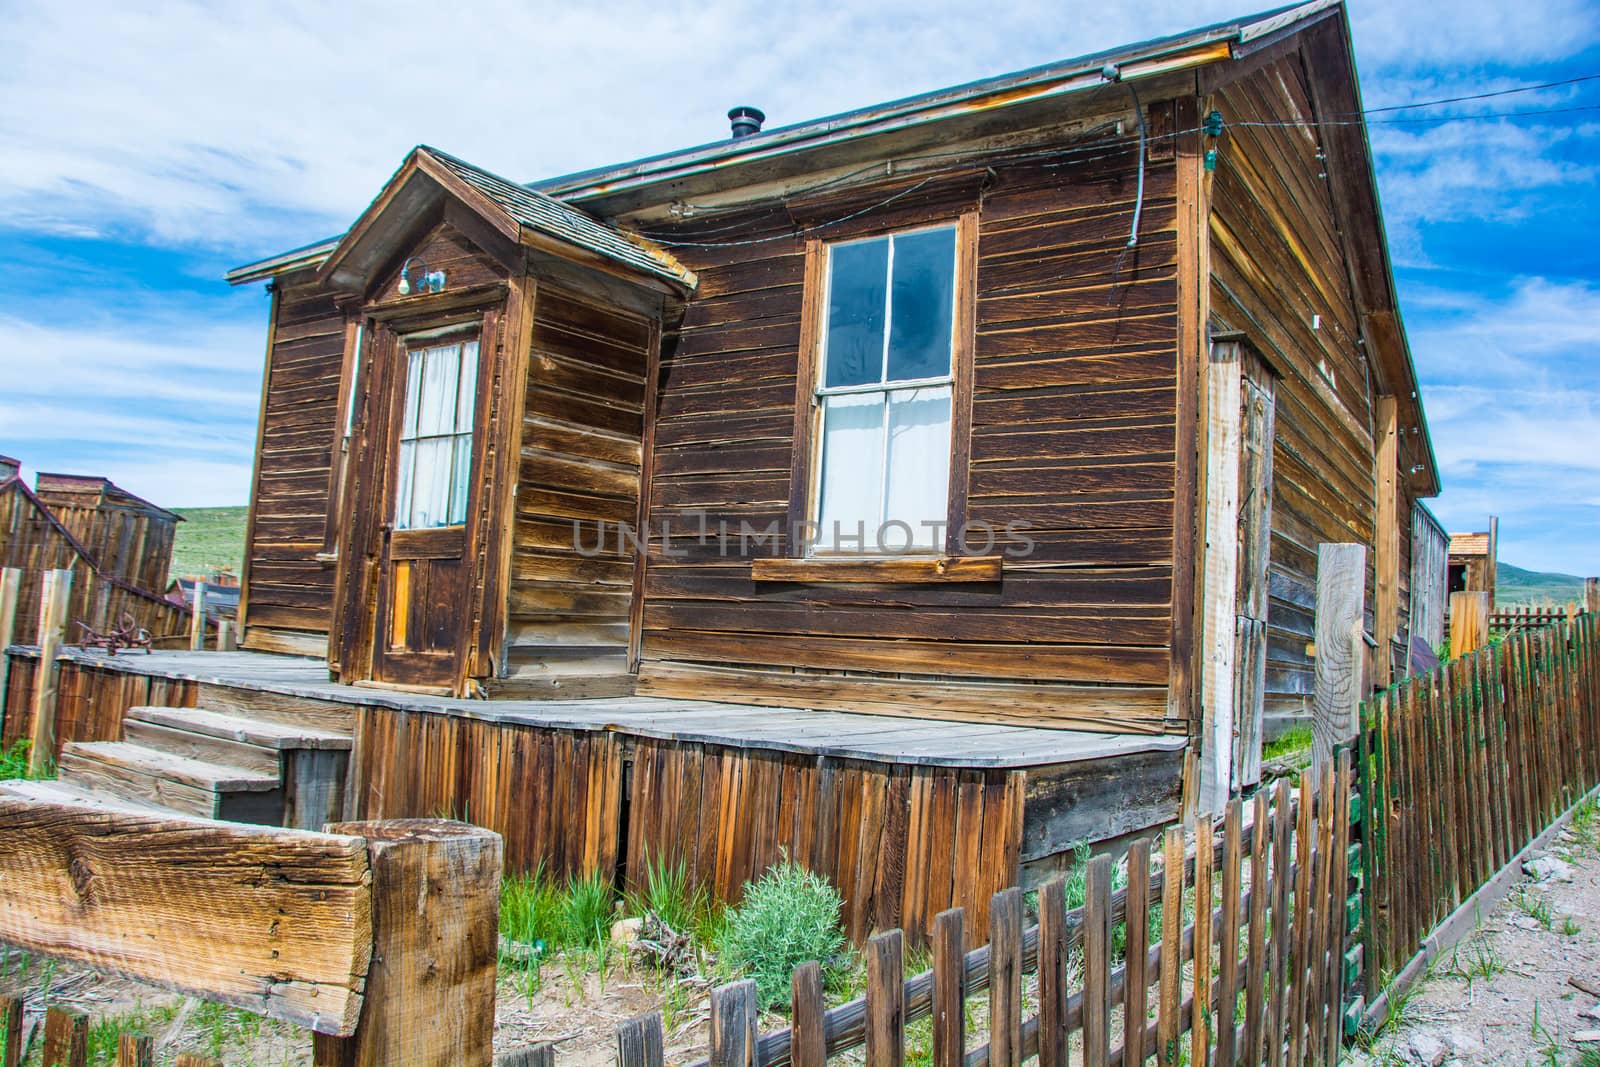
553,795
289,588
90,701
901,843
1277,261
1072,432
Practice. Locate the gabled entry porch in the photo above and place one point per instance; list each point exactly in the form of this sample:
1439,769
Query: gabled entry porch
499,347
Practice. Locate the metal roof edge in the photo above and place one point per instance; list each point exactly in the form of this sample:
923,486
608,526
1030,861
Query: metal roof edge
1049,79
305,256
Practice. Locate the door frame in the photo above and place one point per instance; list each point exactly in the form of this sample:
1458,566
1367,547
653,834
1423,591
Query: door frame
367,501
434,669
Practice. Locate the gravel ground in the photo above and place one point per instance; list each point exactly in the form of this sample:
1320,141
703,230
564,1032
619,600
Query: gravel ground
1525,987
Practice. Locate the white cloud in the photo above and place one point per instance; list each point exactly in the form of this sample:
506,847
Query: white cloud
252,126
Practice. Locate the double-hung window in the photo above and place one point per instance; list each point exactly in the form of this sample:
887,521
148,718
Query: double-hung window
435,476
885,390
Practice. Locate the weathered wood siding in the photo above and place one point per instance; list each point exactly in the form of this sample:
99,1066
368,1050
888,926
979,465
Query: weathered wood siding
1276,263
582,431
1072,432
289,592
901,843
555,795
89,701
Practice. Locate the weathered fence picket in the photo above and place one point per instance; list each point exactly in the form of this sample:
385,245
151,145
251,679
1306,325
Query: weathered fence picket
1460,770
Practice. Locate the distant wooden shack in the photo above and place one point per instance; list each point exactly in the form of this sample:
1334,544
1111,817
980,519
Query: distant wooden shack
117,545
1472,561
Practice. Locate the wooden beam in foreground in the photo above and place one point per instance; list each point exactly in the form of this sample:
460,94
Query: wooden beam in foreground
272,921
435,930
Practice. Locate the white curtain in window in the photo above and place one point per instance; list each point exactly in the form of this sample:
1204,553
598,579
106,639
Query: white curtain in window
435,461
919,464
852,469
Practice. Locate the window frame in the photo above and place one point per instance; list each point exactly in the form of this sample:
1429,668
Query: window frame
806,467
460,334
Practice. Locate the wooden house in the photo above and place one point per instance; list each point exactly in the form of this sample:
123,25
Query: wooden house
117,545
1472,561
1007,419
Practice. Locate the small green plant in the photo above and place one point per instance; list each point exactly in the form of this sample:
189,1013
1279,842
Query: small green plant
590,902
530,910
666,895
1589,1057
788,917
1570,927
1535,907
14,763
1474,961
1293,744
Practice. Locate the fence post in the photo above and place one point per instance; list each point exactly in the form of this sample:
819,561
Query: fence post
11,1031
10,593
197,622
135,1050
435,907
225,639
640,1041
66,1038
734,1015
56,588
1469,623
1341,601
1591,596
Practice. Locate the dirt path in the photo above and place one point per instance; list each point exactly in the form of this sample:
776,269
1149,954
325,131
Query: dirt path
1525,987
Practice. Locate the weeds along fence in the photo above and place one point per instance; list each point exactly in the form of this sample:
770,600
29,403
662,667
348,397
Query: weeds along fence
1237,952
1462,769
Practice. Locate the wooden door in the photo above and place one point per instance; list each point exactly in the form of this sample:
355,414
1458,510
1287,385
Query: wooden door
1257,404
429,532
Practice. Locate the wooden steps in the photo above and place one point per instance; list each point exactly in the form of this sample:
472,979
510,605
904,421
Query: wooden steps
164,779
215,763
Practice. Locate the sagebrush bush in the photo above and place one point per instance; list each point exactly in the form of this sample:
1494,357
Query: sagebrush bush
788,917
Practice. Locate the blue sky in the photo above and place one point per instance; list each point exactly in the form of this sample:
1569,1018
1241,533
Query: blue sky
147,151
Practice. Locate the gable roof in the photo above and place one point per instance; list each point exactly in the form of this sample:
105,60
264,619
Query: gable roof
521,215
1223,40
92,490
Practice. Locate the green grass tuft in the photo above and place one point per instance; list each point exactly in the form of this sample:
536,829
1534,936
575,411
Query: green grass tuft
14,763
789,917
1293,742
590,904
667,895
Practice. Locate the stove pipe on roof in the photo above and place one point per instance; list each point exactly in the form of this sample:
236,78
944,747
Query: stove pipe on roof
746,120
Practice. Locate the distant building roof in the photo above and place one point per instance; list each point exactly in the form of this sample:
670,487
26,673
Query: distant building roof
1469,544
61,488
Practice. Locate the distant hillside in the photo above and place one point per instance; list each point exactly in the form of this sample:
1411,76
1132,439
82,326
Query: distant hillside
1515,586
209,539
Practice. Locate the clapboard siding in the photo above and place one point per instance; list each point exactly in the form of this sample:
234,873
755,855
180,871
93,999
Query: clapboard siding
1278,274
289,589
581,439
1073,432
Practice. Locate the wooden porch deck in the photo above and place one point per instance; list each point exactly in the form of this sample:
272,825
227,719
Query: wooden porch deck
847,735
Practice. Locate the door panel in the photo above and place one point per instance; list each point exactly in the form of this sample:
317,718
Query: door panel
425,573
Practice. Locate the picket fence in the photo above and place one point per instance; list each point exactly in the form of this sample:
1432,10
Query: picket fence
1462,768
1259,979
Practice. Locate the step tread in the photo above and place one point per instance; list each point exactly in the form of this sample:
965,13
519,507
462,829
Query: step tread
239,728
57,792
138,759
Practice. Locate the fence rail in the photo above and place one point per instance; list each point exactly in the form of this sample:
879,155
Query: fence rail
1462,768
1273,927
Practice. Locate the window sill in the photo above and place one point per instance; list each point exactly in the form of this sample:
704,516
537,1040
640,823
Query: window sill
895,569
